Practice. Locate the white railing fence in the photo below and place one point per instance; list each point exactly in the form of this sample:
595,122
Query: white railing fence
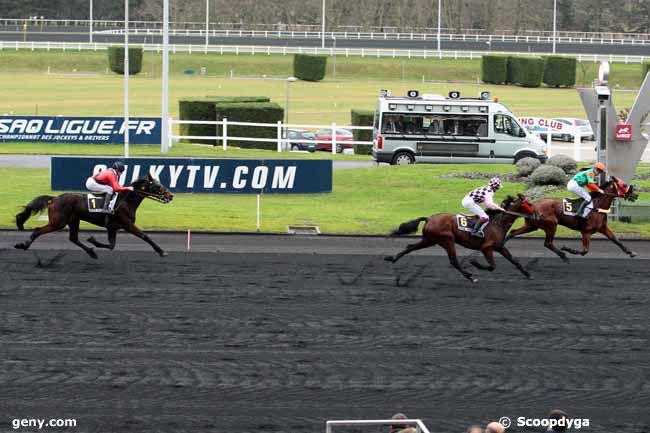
283,142
328,51
418,424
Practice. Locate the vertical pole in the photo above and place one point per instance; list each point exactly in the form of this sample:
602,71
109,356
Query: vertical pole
279,136
126,78
224,133
169,133
90,23
165,78
334,58
601,155
189,241
549,140
333,138
258,212
439,21
207,23
323,27
554,23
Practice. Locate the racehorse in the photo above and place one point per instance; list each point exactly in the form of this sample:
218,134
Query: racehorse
69,209
442,229
550,213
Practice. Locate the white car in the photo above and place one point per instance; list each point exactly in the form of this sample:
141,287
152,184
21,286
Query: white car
583,126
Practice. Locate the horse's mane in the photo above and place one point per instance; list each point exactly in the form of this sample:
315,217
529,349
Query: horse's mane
139,181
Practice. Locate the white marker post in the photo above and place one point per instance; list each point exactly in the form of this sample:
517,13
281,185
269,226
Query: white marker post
549,140
126,78
259,204
189,240
577,152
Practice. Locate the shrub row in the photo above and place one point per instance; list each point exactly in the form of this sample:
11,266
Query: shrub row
362,118
309,67
529,71
116,60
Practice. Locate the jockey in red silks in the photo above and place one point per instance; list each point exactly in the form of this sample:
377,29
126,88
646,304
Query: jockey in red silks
106,182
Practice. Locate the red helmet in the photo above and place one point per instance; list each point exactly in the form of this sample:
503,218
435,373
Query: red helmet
600,166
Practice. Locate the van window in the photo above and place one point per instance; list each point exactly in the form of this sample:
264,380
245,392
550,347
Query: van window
506,125
392,123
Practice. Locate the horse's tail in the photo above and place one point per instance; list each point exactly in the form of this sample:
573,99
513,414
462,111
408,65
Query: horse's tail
408,227
32,208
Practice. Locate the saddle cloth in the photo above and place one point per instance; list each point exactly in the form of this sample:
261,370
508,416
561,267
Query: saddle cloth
96,202
465,223
570,206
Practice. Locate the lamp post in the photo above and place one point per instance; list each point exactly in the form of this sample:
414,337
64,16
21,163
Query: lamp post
289,80
207,23
554,23
90,23
439,21
334,58
323,27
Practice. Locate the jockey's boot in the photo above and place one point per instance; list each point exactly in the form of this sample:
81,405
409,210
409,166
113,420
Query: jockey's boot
581,209
107,204
480,224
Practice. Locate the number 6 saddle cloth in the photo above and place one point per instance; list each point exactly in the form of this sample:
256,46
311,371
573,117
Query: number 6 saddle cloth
465,223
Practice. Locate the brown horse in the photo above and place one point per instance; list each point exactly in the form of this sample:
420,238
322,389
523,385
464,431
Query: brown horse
550,213
70,209
441,229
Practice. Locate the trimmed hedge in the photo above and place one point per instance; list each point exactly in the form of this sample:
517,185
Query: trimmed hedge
559,71
548,175
362,118
645,67
116,60
525,71
494,69
204,109
565,162
309,67
525,166
258,112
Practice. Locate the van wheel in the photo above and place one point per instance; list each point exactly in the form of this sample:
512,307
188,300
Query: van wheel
339,148
522,155
295,147
403,158
566,137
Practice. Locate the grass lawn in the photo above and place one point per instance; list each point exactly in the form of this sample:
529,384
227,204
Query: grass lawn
365,201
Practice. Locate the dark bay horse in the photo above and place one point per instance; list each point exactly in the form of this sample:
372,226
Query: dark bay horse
69,209
441,229
550,213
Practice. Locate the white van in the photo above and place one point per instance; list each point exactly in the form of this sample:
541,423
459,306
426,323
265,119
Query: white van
434,129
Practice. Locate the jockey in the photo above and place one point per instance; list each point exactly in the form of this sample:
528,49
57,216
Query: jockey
106,182
586,178
482,195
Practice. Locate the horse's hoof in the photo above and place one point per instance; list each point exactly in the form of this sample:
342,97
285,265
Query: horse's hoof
163,254
528,276
93,254
91,239
565,259
389,259
632,254
473,280
20,246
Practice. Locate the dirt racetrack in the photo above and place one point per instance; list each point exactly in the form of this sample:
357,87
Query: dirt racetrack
268,342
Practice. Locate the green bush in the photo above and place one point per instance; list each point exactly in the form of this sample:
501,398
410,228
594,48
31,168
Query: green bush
525,71
362,118
548,175
645,67
204,109
525,166
566,163
559,71
309,67
257,112
116,60
494,69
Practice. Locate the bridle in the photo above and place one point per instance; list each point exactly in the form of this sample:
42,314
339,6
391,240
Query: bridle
160,198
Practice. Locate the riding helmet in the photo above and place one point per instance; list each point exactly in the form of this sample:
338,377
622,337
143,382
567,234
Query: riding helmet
495,183
600,166
119,166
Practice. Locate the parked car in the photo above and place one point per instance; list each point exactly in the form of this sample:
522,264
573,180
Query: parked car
586,133
295,137
538,130
343,136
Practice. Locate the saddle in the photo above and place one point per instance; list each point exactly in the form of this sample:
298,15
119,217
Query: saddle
570,207
96,203
466,223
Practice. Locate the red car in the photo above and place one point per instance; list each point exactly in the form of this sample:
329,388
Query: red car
343,137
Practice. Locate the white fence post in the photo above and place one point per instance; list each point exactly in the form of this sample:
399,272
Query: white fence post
577,143
279,136
169,133
549,140
224,134
333,138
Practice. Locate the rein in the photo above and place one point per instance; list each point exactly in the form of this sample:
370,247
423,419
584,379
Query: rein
509,212
154,197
